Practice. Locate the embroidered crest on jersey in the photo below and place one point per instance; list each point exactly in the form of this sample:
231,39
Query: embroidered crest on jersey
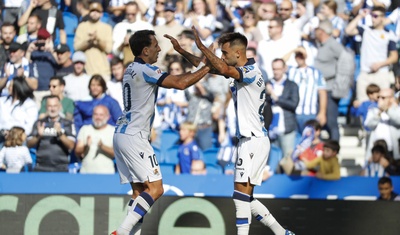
156,172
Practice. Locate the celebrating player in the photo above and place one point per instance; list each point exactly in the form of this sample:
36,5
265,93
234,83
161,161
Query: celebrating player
137,164
252,149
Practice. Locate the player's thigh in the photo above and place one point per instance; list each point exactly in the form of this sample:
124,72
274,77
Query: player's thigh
136,159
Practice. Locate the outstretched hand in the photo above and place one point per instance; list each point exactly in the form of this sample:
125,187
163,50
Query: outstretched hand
174,42
197,39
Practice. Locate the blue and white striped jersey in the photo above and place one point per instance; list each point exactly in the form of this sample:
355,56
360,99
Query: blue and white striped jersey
310,81
248,94
140,85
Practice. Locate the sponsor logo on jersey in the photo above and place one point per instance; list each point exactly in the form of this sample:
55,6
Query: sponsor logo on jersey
251,155
241,174
141,154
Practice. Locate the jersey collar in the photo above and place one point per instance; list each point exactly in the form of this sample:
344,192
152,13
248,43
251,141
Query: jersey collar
250,61
139,60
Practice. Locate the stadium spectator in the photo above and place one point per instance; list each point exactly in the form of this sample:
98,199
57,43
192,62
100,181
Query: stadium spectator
56,87
77,83
15,155
7,37
378,51
18,109
200,16
95,39
32,29
82,7
377,164
123,30
386,193
53,137
283,96
51,17
84,108
114,86
248,26
11,10
189,154
276,47
384,122
306,152
312,90
292,25
116,10
18,66
327,167
266,11
362,108
41,54
95,144
361,7
328,11
200,101
173,106
171,27
65,65
158,17
328,54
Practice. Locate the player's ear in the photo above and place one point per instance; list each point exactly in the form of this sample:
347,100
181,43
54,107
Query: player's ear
145,51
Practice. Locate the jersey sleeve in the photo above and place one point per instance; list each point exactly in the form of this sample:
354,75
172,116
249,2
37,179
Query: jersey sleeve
154,75
247,74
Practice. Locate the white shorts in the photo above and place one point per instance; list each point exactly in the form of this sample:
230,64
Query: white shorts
251,157
136,161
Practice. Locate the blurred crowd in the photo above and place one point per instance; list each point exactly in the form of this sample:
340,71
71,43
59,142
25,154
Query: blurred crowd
62,63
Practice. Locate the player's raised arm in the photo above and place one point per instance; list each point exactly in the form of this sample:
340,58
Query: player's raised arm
194,60
185,80
220,65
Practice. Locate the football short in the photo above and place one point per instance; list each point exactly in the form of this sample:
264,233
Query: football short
251,155
136,161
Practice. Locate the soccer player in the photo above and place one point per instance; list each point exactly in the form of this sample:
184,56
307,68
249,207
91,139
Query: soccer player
252,149
136,161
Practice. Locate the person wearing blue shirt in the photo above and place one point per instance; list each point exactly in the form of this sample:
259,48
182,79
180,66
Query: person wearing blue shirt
84,108
189,153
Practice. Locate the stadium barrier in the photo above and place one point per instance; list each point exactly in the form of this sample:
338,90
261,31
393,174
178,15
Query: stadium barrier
58,203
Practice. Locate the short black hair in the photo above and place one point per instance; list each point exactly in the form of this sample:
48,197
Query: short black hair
279,60
379,149
379,8
139,40
233,39
384,180
59,79
115,61
314,123
332,144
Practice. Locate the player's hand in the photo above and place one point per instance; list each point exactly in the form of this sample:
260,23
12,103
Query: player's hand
175,43
197,39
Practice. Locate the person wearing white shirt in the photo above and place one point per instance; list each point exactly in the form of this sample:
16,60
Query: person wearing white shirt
77,83
123,30
114,86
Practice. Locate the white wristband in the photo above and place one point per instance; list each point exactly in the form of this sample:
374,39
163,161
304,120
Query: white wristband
201,65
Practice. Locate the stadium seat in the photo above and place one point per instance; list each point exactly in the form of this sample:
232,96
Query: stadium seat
275,155
105,18
159,155
167,168
171,155
168,139
70,22
213,169
210,155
